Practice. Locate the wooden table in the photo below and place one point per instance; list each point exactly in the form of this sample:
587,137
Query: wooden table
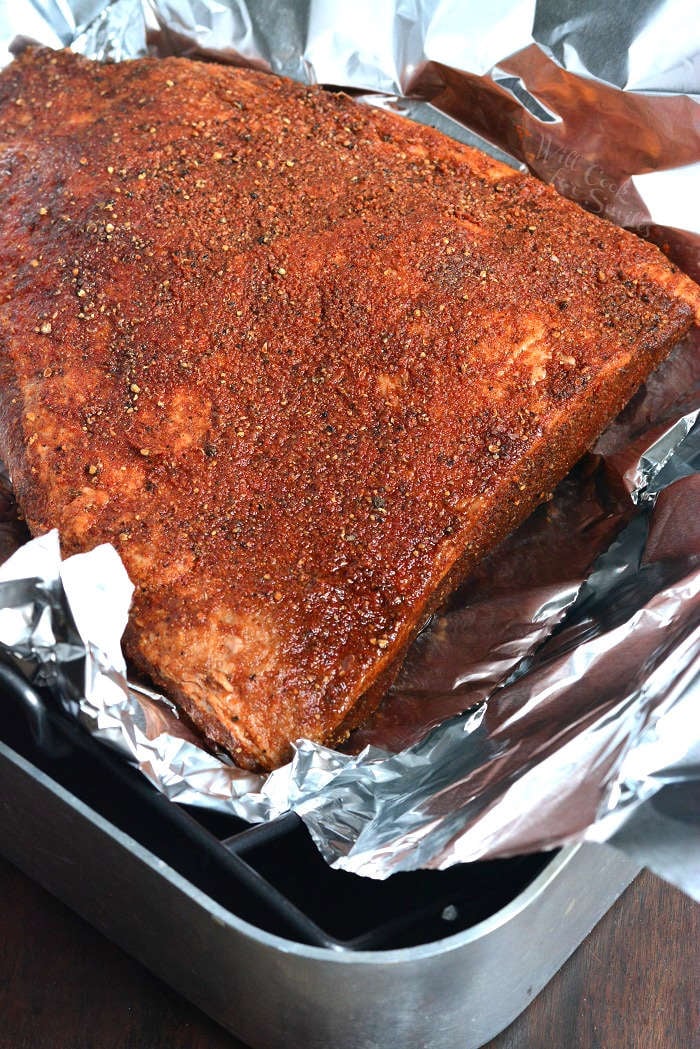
634,984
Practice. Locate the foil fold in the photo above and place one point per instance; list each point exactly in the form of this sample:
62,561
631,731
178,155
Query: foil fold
555,698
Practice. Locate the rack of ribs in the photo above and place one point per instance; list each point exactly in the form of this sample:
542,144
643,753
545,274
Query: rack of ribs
301,361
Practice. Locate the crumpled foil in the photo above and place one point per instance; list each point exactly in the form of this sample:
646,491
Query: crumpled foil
555,698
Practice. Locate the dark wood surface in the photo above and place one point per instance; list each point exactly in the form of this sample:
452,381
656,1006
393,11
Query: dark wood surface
634,984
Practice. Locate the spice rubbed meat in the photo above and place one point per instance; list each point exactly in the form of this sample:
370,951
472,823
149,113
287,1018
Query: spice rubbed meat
301,361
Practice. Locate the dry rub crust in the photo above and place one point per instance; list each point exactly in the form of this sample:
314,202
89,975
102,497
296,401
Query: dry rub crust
302,362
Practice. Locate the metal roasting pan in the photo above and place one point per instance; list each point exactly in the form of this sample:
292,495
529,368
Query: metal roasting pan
203,906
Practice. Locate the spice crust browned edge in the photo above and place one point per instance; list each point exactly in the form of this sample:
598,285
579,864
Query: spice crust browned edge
539,476
558,448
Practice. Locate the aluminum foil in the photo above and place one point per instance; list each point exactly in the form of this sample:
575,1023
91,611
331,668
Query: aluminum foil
555,698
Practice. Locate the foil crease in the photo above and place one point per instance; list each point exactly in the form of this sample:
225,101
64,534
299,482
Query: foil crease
555,698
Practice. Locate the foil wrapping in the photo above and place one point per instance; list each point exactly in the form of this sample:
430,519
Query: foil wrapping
555,698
